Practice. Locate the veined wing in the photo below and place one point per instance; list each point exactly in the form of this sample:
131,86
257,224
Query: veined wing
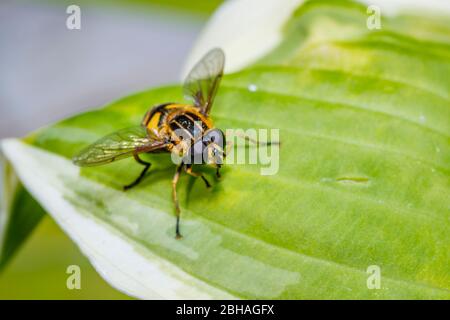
117,145
202,82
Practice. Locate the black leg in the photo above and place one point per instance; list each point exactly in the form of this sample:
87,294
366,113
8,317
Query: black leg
175,200
218,173
135,182
196,174
257,142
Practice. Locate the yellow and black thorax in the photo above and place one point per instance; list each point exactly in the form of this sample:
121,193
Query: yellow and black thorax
176,122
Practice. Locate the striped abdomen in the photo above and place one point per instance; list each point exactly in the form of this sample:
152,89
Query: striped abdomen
182,120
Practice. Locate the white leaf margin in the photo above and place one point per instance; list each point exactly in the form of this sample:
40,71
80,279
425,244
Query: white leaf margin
116,259
8,187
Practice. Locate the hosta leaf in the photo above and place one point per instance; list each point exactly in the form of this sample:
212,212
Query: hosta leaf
363,177
20,213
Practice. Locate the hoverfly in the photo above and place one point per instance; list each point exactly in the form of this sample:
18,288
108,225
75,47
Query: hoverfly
171,127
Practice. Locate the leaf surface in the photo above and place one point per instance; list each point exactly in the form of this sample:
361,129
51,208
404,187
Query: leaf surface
363,173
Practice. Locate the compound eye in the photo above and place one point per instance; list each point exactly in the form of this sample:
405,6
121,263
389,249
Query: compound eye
214,135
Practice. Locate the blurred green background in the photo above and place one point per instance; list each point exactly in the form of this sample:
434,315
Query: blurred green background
123,47
38,271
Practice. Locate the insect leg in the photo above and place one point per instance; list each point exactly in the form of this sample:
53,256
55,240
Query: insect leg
196,174
256,141
218,173
147,166
175,199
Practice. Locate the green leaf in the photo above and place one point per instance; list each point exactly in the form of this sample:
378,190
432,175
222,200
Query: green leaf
199,8
20,213
363,177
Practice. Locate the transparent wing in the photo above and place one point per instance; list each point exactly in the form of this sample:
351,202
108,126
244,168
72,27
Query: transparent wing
202,82
117,145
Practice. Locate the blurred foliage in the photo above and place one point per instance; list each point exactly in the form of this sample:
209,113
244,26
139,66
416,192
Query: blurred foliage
26,213
39,270
198,7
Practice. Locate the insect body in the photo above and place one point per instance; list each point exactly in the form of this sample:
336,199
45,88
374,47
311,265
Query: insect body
186,130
